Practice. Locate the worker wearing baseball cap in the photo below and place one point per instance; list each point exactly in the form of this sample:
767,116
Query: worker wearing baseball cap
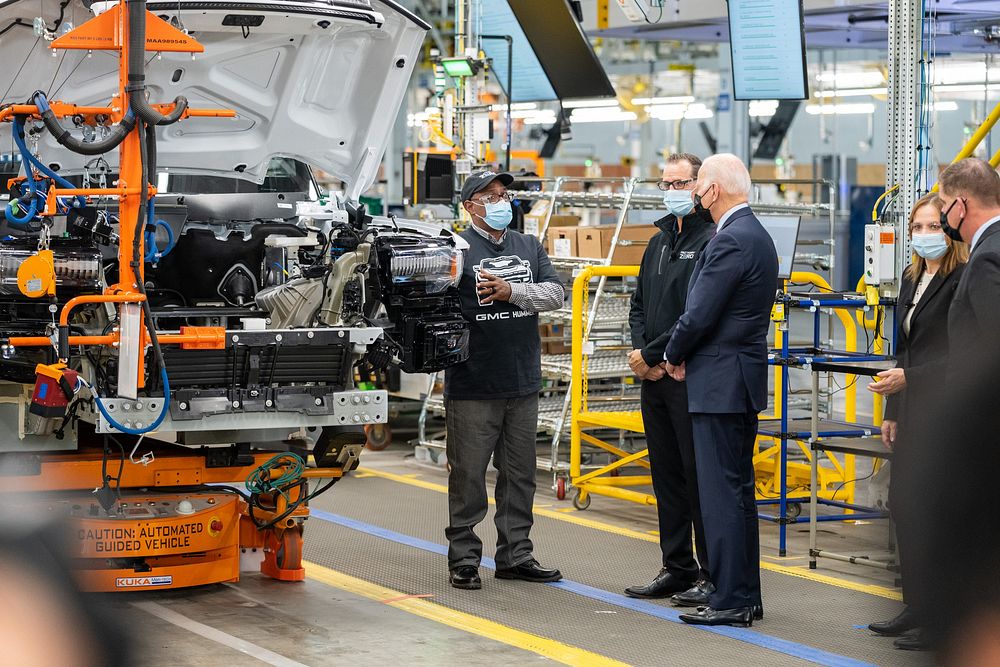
491,400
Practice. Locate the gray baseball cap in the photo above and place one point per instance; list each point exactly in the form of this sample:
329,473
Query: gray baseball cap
480,179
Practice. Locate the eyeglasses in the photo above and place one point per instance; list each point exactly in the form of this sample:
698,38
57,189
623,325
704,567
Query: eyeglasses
675,185
493,199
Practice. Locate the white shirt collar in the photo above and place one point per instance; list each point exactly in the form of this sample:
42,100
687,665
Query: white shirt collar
728,214
979,232
489,237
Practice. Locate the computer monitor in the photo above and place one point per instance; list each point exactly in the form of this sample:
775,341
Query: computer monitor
784,231
563,48
552,56
530,82
767,39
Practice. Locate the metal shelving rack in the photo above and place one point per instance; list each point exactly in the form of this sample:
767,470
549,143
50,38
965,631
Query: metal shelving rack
610,318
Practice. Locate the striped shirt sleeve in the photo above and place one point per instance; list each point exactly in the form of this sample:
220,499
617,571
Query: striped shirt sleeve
537,297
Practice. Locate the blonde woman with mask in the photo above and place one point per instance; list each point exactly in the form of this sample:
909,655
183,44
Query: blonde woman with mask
912,388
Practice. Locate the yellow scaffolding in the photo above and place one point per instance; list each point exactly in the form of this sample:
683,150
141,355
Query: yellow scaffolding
835,479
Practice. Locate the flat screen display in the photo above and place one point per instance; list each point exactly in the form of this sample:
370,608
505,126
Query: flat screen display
530,82
767,38
784,231
561,47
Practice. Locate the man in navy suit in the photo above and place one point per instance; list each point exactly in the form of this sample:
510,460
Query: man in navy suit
719,346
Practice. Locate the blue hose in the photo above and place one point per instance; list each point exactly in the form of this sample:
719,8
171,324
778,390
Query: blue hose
8,213
154,254
152,427
37,164
23,222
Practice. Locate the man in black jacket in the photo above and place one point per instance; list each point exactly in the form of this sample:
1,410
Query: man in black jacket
657,303
954,488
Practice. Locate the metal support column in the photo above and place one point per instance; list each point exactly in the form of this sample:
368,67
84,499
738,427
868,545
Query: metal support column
466,29
905,42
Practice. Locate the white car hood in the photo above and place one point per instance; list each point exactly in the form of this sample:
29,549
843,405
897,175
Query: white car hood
319,80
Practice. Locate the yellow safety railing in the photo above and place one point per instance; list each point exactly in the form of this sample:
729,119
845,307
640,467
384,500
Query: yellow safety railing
601,481
977,138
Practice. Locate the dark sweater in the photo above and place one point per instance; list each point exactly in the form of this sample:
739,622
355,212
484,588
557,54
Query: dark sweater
504,345
661,293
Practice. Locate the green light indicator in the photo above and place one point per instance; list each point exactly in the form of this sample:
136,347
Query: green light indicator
458,68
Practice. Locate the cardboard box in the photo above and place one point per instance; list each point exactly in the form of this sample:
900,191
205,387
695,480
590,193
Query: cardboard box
555,339
564,221
535,219
561,242
627,255
589,242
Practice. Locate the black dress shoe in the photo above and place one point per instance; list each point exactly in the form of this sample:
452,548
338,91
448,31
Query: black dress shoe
741,616
529,570
696,596
663,586
897,626
757,609
465,577
914,640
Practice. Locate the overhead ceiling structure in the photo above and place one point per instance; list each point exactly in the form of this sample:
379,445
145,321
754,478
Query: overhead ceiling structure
963,26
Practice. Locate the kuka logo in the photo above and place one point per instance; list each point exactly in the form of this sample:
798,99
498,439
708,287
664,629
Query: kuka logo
143,582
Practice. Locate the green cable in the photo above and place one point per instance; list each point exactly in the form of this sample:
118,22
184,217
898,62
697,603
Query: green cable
260,483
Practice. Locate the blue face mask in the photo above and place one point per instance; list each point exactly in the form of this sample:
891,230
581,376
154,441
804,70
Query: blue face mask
678,202
498,215
929,246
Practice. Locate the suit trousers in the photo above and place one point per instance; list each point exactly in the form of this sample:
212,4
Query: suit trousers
670,439
504,429
724,445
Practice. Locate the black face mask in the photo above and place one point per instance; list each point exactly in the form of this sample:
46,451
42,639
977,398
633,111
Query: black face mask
699,207
949,231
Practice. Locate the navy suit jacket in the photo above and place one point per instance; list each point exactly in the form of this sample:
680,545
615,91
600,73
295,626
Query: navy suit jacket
722,336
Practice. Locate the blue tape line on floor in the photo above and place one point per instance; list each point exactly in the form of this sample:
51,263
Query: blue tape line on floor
776,644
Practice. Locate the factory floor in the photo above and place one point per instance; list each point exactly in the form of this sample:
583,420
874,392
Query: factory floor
376,593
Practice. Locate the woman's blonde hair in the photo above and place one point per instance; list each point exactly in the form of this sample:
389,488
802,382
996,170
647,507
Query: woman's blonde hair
958,251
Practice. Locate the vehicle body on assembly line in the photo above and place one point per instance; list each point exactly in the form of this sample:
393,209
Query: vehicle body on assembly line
216,327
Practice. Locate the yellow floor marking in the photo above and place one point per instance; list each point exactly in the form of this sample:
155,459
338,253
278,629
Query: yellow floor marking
871,589
548,648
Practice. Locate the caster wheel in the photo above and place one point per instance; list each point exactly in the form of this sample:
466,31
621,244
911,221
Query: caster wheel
379,436
794,510
289,555
561,488
579,502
